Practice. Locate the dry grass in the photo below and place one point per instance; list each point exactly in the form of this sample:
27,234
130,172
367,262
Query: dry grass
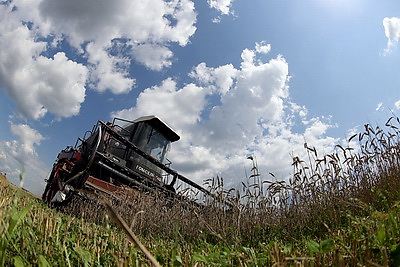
323,189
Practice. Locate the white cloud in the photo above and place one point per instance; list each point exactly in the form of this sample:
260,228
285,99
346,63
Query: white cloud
106,75
179,106
154,57
316,130
219,79
41,81
28,139
249,111
102,21
257,96
152,23
19,156
222,6
392,32
38,84
263,47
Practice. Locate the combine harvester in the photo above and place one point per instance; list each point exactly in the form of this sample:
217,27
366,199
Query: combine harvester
119,159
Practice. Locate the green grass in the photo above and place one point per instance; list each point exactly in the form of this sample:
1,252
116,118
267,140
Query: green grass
341,209
33,234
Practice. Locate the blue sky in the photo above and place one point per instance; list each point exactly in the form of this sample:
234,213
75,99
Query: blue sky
233,77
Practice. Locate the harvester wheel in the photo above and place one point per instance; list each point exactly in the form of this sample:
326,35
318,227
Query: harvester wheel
50,189
68,174
56,191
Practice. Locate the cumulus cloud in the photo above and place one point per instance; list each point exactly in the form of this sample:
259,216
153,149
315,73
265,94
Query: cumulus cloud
219,79
263,47
104,38
392,32
102,21
154,57
19,157
249,112
108,72
256,97
180,106
150,23
24,147
38,84
222,6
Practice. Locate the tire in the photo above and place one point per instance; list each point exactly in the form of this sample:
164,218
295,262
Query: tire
56,192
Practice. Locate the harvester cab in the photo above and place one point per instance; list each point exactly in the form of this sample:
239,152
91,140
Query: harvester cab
116,158
149,135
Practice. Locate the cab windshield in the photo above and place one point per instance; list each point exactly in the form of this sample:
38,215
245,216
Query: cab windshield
151,141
